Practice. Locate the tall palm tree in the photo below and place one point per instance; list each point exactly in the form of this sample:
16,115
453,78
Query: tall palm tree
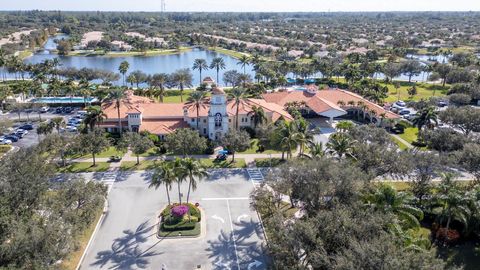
163,174
218,64
180,175
196,99
286,133
94,116
259,116
182,78
303,137
317,150
158,81
386,198
341,145
5,92
238,95
243,62
123,68
193,169
426,117
116,96
200,65
450,202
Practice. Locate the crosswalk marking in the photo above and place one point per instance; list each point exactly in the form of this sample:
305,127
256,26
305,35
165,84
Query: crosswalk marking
255,175
109,177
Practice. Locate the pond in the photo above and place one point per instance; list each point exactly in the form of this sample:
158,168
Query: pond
148,64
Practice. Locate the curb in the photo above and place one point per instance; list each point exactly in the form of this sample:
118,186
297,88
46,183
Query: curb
203,228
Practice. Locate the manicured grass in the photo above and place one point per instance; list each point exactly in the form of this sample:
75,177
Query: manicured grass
399,186
176,99
25,54
211,163
287,210
424,91
72,260
4,149
111,151
410,134
133,166
268,162
78,167
254,149
131,53
400,144
152,152
231,53
194,232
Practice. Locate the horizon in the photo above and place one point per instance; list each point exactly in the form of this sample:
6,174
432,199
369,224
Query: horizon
251,6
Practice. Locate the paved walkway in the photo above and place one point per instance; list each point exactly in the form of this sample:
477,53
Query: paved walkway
403,141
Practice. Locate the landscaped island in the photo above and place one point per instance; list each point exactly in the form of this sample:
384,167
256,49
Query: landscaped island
180,220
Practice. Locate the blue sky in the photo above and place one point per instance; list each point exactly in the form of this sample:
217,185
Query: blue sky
245,5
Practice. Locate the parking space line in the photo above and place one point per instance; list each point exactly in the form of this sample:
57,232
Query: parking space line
233,235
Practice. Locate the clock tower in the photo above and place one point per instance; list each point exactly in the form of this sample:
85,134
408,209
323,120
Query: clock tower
217,116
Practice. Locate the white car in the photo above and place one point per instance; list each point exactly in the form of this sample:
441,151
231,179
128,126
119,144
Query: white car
44,109
5,141
400,104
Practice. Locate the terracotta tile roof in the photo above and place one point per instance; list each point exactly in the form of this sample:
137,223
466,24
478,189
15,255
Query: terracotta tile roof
163,127
323,99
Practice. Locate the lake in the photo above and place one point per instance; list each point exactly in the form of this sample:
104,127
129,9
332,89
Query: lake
148,64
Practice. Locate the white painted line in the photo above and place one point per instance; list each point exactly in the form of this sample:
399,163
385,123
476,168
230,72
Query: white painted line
233,235
225,199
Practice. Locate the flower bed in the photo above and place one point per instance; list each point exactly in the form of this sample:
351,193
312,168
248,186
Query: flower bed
180,220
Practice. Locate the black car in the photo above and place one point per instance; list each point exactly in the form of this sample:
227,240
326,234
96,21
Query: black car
26,127
68,110
12,138
59,110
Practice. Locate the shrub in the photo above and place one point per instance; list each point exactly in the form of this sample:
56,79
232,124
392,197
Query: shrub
180,226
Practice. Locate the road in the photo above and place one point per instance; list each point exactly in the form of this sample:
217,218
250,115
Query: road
232,239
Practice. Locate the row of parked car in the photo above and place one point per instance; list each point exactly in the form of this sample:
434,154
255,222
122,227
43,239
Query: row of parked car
74,122
16,135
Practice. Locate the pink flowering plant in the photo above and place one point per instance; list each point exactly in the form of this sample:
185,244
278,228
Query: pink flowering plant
179,211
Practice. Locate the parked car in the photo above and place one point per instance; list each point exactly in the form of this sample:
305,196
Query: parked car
20,133
44,109
26,127
5,141
68,110
400,103
442,103
12,138
71,129
404,112
59,110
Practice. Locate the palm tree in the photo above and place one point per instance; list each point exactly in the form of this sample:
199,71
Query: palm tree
258,114
243,62
180,175
238,94
158,81
57,123
95,115
450,202
427,117
218,64
196,99
341,145
316,150
286,133
200,64
303,137
385,198
123,68
116,96
193,169
182,78
163,174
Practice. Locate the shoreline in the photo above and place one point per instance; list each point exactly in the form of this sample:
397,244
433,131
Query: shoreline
127,54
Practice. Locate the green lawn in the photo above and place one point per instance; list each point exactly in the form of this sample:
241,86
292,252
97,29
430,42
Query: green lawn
111,151
410,135
231,53
399,186
211,163
268,162
4,149
133,166
254,149
424,91
152,152
79,167
400,144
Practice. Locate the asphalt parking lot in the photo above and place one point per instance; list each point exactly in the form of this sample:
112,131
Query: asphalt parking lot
126,239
